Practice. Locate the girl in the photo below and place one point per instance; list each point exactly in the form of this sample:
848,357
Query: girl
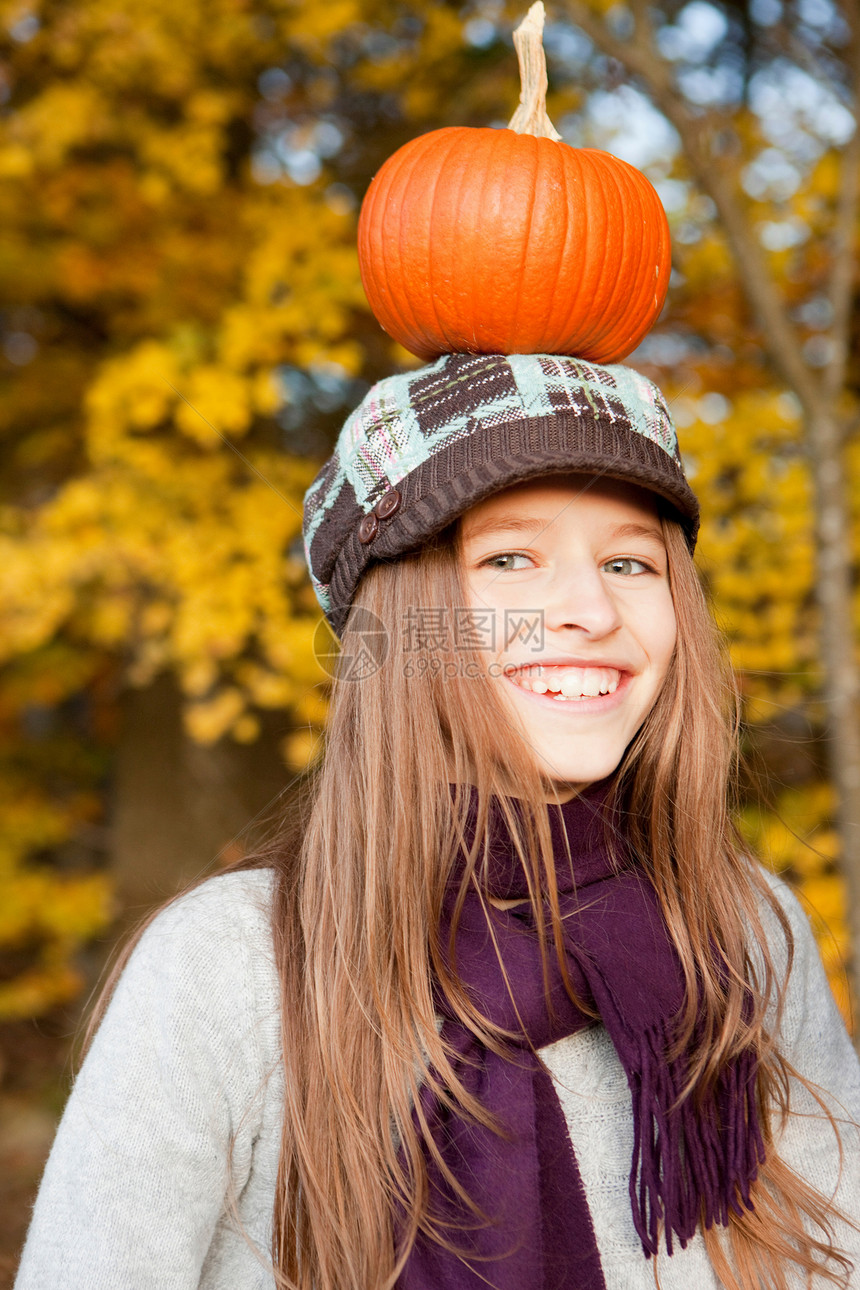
512,1009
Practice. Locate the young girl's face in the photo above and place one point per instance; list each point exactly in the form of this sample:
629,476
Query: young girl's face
571,575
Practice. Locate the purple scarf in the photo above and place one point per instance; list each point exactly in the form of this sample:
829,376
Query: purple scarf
689,1163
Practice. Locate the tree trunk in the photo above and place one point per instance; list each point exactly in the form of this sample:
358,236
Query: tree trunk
834,592
180,809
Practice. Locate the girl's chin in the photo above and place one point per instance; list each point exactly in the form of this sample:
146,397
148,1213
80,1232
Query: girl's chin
576,767
572,780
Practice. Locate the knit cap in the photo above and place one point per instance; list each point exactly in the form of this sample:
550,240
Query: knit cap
424,446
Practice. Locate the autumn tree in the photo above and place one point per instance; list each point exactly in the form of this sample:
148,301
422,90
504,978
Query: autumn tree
183,328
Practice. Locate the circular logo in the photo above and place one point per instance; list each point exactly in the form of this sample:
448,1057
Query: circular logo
364,653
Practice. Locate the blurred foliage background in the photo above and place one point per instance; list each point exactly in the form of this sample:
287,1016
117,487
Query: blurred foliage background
182,330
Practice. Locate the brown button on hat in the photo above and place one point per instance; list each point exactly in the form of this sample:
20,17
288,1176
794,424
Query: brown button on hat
388,504
368,528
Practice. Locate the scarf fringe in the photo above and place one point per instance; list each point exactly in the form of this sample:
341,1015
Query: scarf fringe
689,1164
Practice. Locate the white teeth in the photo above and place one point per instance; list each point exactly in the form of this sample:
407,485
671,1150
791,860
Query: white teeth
568,683
571,686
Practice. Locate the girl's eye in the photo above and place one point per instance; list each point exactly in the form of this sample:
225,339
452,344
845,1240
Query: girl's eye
505,561
627,565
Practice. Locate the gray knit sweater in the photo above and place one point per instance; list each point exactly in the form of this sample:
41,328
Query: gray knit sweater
163,1171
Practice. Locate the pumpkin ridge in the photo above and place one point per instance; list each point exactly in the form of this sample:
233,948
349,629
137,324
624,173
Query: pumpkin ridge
441,328
611,265
477,253
401,300
645,293
551,327
490,320
437,334
479,331
618,331
467,251
524,238
582,225
555,323
613,320
505,289
482,323
417,306
639,196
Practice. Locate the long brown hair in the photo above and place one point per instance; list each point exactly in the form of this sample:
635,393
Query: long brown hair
360,881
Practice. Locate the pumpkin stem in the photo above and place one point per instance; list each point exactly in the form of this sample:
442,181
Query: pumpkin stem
530,117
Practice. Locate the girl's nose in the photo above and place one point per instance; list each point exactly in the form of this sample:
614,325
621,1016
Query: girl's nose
581,600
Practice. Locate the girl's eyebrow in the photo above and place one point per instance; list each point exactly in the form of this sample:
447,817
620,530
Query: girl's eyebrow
497,523
639,531
526,524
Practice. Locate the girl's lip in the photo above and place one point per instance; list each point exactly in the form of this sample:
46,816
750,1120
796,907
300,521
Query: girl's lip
567,662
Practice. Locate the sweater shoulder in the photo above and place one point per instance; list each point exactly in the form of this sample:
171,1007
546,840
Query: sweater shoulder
237,902
211,929
203,973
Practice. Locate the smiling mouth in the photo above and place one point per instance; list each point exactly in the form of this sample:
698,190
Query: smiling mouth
567,683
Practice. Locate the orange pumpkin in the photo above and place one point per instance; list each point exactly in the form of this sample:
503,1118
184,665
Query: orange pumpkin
511,241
